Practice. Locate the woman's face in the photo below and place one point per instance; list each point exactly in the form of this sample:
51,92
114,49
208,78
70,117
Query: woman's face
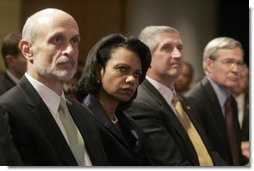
120,77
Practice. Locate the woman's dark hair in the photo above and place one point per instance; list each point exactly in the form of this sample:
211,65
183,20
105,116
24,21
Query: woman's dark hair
99,55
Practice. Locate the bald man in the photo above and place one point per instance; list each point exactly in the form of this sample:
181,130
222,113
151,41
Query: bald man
50,41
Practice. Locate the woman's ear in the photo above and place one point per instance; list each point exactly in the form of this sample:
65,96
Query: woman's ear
26,49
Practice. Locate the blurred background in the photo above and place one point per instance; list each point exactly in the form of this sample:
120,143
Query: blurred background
198,21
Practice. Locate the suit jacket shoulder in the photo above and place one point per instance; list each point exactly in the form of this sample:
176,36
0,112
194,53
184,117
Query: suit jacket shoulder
5,83
9,155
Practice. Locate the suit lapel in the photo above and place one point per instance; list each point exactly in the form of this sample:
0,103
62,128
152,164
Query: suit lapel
154,93
215,107
101,117
175,123
46,122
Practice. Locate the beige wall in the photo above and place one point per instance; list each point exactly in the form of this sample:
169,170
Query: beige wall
9,19
196,21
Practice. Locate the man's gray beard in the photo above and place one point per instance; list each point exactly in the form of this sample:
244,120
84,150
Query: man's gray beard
54,74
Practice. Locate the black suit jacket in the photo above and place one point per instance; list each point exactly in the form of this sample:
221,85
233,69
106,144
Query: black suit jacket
166,141
6,83
122,150
9,155
37,135
204,99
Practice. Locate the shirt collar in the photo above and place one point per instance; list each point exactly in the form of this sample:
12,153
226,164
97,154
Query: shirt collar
166,92
49,97
220,92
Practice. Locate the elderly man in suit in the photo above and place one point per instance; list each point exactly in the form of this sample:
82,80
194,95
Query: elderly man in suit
171,131
48,128
222,64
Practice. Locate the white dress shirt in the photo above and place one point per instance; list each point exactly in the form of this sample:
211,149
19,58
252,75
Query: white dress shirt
52,101
166,92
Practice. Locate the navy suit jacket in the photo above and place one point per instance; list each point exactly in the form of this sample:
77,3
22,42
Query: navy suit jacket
166,141
122,150
204,99
38,137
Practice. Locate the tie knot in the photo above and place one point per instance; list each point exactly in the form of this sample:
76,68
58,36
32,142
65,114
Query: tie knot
175,99
62,105
227,102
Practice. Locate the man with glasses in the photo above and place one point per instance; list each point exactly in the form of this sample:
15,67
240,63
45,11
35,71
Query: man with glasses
222,63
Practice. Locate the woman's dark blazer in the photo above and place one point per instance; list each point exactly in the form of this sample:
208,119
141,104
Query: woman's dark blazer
122,150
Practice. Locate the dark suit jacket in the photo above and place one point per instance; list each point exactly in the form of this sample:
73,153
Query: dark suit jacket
6,83
122,150
37,135
9,155
205,100
166,141
245,124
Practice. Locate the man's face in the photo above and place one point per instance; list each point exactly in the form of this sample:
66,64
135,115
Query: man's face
167,59
55,48
226,68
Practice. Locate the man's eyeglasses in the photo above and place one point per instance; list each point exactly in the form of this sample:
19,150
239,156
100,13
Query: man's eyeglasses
230,63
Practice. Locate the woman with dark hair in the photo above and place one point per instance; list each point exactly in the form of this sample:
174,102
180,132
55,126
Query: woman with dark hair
114,68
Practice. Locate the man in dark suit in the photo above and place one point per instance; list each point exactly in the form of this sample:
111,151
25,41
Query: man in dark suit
222,63
14,61
167,141
9,155
37,106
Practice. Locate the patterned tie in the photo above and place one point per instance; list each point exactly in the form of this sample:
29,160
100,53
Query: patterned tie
231,131
75,139
203,155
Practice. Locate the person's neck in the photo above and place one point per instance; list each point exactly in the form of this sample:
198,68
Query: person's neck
167,81
15,74
109,104
55,85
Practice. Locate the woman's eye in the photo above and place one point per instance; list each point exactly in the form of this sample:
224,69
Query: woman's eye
122,69
137,75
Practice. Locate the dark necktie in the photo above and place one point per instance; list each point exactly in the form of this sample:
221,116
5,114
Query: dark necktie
203,155
231,131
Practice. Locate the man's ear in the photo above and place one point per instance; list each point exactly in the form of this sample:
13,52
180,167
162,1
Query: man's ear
26,49
9,60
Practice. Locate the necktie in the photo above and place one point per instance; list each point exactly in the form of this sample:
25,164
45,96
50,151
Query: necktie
75,139
203,155
231,132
